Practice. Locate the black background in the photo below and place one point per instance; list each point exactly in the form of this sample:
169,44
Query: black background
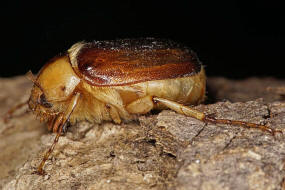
234,39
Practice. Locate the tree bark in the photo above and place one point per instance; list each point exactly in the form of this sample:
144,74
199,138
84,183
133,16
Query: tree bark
162,150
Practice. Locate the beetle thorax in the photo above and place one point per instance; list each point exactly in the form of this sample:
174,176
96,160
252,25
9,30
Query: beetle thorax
58,79
55,84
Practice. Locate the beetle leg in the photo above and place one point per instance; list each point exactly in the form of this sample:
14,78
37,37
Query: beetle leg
114,113
243,124
141,106
179,108
9,114
40,167
51,123
59,124
206,118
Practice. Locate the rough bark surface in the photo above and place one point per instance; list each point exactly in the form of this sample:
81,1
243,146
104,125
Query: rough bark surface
160,151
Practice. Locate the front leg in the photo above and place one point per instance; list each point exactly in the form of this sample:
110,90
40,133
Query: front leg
57,126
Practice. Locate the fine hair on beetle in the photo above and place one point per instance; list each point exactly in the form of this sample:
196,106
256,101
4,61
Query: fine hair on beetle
118,80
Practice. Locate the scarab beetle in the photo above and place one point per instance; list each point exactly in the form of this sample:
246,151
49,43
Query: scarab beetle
118,80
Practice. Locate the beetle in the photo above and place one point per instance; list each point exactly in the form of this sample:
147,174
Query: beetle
117,80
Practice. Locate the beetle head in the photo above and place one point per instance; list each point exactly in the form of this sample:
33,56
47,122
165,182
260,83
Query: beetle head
54,85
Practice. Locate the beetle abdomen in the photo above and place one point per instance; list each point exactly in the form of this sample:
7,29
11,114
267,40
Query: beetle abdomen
124,62
95,100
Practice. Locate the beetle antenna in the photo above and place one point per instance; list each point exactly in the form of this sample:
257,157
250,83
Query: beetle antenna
32,78
10,112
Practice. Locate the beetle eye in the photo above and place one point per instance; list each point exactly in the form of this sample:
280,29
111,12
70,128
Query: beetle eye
43,101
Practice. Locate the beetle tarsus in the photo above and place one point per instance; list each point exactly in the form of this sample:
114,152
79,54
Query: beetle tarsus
40,169
210,119
42,172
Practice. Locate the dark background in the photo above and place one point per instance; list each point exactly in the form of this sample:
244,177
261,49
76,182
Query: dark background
234,39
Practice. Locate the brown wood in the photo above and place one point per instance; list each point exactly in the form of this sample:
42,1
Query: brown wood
123,62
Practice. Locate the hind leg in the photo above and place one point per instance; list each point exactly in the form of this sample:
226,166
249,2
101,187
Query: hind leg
201,116
145,104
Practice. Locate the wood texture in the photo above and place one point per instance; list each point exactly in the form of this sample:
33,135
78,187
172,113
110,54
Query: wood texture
161,151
